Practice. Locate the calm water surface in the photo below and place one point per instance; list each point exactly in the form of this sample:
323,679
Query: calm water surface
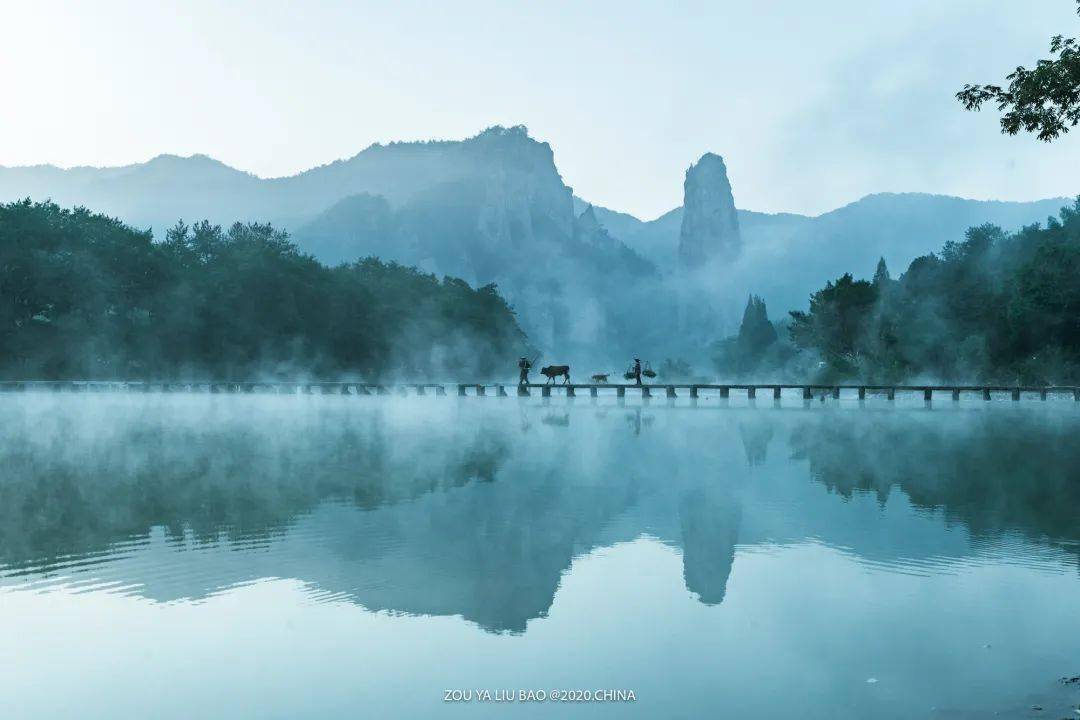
192,556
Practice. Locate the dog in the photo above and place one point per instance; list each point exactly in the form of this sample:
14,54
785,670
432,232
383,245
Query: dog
598,378
553,371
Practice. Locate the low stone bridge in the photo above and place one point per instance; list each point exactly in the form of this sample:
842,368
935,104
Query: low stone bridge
693,391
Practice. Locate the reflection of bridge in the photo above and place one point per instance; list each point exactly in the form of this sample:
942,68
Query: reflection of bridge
669,390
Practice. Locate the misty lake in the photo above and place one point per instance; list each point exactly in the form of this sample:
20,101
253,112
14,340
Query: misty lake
213,556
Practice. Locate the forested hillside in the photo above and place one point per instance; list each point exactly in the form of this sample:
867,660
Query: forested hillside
993,306
83,295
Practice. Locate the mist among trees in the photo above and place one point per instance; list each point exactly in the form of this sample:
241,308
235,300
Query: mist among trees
85,296
993,307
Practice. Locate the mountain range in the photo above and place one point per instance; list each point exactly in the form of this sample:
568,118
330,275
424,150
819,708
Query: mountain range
585,280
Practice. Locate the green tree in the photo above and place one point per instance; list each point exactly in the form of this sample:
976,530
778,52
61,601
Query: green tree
84,296
993,306
756,333
836,321
751,349
1044,100
881,273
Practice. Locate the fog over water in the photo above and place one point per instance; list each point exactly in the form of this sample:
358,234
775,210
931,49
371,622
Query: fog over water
320,556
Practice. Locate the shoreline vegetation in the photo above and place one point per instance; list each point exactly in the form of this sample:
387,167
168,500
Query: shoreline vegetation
994,308
83,295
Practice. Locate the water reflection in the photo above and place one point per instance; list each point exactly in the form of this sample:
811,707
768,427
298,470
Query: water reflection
478,509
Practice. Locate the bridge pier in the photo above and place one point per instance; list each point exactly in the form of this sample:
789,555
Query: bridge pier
776,392
570,391
836,392
440,391
693,392
725,392
927,395
481,391
645,391
807,393
862,393
500,390
986,393
1042,394
891,394
545,391
671,391
1016,394
461,390
592,392
956,395
751,393
620,391
523,391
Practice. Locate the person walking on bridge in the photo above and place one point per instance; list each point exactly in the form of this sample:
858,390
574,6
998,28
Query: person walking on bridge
637,371
523,371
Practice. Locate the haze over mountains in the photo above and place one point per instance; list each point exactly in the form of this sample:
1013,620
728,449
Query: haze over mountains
586,281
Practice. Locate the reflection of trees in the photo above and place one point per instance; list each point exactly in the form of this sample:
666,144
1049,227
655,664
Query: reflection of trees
404,512
992,471
436,534
231,481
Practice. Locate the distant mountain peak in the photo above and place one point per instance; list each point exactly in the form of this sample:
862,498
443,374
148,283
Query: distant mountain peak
199,159
710,223
183,166
711,158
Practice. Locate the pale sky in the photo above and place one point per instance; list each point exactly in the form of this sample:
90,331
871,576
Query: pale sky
812,104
